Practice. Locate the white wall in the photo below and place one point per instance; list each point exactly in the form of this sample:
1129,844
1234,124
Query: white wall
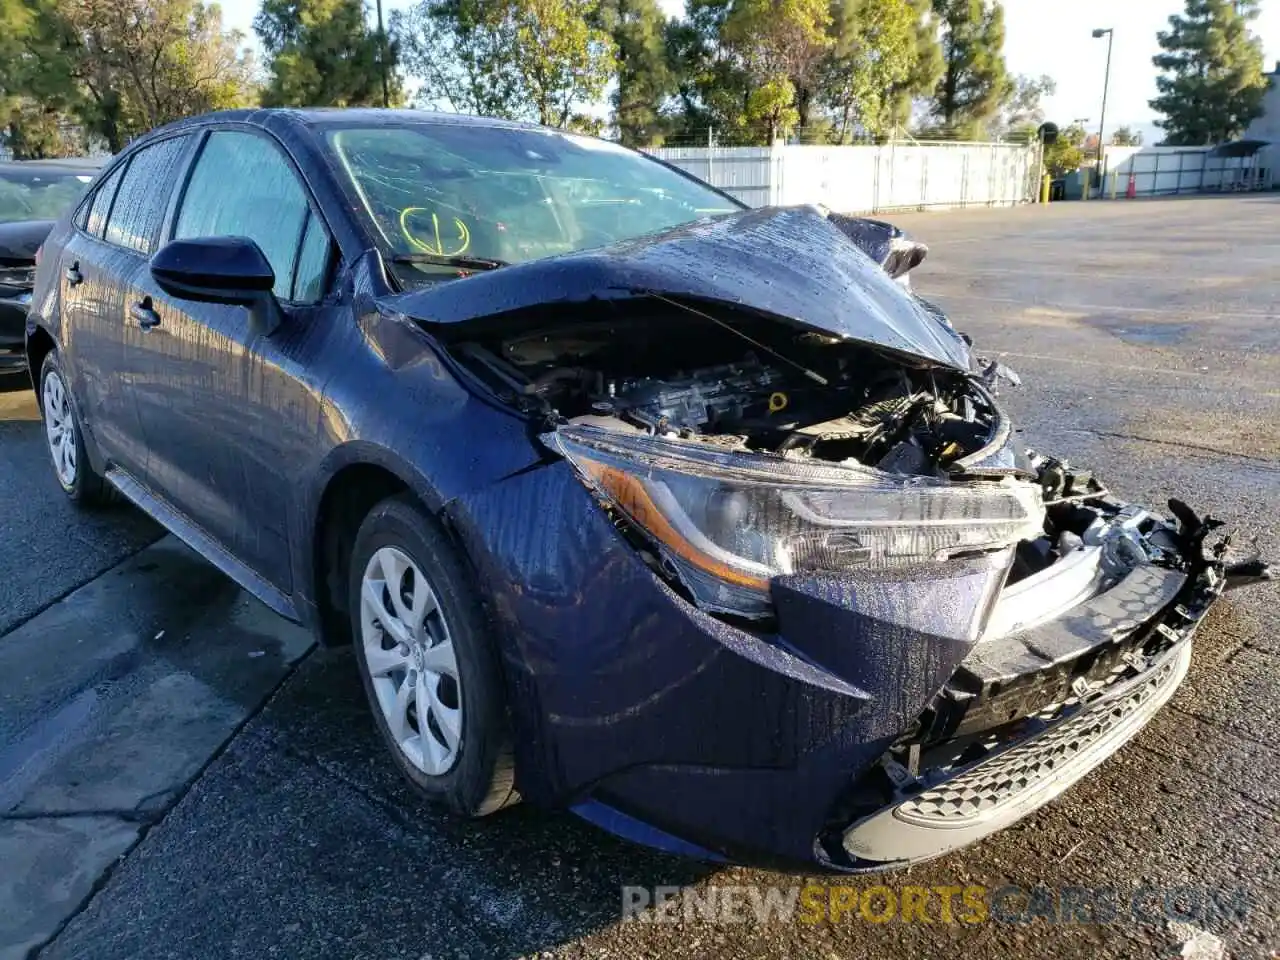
1166,171
1267,126
745,172
865,179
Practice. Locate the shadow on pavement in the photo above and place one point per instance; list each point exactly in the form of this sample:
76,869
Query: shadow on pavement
49,546
302,840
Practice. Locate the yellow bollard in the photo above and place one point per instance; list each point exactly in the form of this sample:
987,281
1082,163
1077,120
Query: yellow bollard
1115,184
1045,186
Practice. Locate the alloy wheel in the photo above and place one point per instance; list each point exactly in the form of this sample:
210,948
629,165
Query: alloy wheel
409,652
60,428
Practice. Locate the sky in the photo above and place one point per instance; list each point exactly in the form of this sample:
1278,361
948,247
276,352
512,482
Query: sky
1044,38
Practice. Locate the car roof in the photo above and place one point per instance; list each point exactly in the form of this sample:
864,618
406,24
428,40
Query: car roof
370,116
66,165
318,118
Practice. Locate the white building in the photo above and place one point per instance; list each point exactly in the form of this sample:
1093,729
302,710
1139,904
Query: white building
1267,126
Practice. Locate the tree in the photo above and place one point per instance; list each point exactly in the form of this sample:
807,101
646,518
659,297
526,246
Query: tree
928,67
545,60
711,85
1212,84
780,46
463,54
752,69
645,79
974,82
34,119
149,62
563,61
1067,152
321,53
875,53
1024,105
117,68
1125,137
37,132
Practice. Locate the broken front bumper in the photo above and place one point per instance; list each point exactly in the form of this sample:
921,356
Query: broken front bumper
1017,774
1041,700
676,729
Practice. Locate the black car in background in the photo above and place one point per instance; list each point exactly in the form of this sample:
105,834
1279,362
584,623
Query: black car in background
33,194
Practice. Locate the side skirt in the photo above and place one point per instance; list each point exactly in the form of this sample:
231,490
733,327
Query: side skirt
199,541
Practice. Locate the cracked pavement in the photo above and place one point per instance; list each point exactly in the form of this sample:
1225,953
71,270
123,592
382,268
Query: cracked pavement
182,776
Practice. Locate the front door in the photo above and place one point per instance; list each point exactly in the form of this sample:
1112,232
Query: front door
230,417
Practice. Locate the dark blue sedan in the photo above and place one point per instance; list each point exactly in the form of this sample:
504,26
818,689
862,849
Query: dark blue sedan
689,517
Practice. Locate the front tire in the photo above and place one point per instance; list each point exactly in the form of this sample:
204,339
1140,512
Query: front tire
428,661
64,438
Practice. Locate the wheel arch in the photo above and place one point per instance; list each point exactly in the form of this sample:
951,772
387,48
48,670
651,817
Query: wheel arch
40,344
356,477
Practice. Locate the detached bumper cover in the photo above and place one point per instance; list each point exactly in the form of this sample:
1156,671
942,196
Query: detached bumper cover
1012,781
1029,713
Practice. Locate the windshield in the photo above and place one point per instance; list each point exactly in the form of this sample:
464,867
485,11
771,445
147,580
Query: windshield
507,195
38,194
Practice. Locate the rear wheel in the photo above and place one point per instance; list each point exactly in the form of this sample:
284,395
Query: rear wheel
64,437
428,661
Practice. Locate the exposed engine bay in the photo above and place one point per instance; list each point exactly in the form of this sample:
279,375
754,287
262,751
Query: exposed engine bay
758,386
701,378
746,385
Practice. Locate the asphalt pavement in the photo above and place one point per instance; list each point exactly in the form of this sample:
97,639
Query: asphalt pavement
183,777
47,547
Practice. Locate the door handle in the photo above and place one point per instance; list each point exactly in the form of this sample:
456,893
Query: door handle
73,274
145,314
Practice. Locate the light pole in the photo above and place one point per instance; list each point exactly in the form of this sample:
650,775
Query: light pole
1109,33
382,58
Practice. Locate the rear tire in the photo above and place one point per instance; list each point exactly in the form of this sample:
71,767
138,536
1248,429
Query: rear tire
64,438
428,661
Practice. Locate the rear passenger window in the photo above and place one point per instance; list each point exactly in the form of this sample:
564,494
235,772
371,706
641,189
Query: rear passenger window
242,186
101,204
143,195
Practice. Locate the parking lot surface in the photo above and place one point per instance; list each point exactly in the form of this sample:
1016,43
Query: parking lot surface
184,777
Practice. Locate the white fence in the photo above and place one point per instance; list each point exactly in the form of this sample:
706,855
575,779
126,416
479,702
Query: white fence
1165,171
867,179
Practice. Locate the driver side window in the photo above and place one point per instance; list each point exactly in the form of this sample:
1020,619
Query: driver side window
242,186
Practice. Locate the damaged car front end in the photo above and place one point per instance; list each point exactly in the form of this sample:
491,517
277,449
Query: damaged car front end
692,518
818,604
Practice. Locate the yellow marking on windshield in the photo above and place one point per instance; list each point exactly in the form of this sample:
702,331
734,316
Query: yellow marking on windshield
435,244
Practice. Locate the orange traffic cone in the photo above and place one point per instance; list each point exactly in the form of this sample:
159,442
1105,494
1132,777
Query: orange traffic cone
1131,191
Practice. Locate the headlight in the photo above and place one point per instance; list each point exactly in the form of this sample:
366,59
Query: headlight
728,522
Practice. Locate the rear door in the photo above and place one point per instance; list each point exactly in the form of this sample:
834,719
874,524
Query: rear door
231,417
90,334
118,232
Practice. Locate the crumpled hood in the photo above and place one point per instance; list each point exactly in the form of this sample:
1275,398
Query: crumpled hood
789,262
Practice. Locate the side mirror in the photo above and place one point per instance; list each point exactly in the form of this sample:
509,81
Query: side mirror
220,270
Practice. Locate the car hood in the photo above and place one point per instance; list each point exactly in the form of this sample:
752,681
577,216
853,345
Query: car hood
792,263
21,239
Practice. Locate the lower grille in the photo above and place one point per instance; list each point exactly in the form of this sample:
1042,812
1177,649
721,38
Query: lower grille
980,792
